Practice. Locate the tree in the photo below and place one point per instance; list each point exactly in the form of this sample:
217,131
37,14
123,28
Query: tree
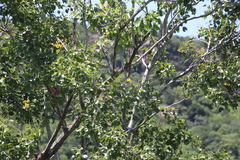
46,73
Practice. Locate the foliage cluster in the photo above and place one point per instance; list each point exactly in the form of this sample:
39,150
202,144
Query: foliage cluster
50,74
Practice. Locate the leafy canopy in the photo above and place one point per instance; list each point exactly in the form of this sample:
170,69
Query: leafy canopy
48,72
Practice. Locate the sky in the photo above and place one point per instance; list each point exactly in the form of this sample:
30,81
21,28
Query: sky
192,26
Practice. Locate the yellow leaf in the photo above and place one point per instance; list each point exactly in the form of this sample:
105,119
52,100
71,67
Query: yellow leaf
26,105
26,101
128,80
226,84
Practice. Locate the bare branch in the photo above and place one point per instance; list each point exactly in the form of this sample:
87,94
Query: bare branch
147,118
164,38
62,44
6,155
5,28
220,43
161,41
85,26
57,144
164,25
135,14
123,27
144,63
128,64
74,23
47,154
81,100
66,107
115,50
107,58
189,69
51,141
124,122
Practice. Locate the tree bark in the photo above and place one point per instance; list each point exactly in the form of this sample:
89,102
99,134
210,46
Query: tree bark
47,154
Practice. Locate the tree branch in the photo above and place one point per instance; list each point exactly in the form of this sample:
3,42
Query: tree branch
189,69
108,59
53,137
164,38
135,14
122,28
64,135
147,118
220,43
128,64
47,154
62,44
